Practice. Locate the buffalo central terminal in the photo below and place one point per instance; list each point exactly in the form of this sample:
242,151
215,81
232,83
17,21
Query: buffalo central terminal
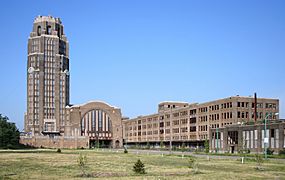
52,121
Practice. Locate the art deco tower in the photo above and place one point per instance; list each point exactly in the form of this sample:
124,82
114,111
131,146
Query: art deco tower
47,77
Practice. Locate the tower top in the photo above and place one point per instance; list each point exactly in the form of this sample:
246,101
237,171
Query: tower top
47,18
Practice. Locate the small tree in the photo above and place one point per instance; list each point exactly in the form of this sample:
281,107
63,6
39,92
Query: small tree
139,167
97,144
183,147
103,144
282,152
125,150
58,150
259,161
82,160
206,145
192,164
269,151
161,144
147,145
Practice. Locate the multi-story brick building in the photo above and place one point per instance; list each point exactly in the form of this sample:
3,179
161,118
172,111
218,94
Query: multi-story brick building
50,120
245,137
179,122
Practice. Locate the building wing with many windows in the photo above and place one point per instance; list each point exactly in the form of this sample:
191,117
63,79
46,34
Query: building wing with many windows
180,122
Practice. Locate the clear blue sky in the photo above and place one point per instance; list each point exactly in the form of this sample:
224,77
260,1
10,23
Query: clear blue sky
134,54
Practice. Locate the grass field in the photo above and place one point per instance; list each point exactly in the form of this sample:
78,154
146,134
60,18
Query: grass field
47,164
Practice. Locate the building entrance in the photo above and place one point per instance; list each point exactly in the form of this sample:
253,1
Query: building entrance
100,143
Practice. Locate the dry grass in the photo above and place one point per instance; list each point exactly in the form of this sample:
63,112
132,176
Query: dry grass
47,164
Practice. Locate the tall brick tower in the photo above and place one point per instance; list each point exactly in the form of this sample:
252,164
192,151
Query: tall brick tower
47,77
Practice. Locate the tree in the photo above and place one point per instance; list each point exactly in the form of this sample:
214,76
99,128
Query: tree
206,145
9,134
183,147
193,164
161,144
259,161
82,160
139,167
147,145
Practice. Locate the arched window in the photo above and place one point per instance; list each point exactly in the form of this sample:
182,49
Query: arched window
48,29
39,30
96,122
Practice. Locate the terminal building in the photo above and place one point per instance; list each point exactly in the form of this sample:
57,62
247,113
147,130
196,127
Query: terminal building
190,123
50,120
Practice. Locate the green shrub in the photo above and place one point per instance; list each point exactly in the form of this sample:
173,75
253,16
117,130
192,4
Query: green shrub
183,147
139,167
259,161
81,161
58,150
206,145
191,162
269,151
282,152
161,144
147,145
125,150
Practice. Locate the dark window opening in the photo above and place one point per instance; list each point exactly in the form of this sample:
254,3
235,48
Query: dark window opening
39,30
49,30
272,134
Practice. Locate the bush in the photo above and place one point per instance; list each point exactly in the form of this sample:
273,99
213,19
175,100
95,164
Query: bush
58,150
259,161
282,152
161,144
191,162
82,160
269,151
125,150
206,145
139,167
147,145
183,147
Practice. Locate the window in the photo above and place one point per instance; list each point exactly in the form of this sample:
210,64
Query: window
48,29
192,120
39,30
272,133
192,128
175,130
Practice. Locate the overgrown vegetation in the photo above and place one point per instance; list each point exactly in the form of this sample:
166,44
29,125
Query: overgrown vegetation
206,145
139,167
282,152
259,161
193,165
183,147
48,164
82,161
269,151
147,145
125,150
161,145
9,134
